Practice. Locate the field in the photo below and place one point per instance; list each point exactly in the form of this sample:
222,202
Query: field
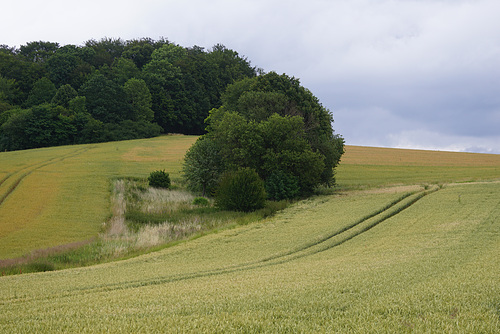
61,195
409,246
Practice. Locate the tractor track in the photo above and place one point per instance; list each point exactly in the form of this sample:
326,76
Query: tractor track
30,169
324,244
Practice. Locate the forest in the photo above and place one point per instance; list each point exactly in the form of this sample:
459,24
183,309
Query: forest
110,89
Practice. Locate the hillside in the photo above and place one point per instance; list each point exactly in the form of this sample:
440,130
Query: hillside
61,195
401,247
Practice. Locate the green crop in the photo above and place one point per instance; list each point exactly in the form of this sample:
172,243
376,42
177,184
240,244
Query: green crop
429,263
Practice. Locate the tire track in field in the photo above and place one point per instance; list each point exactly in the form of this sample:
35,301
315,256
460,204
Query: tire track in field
321,245
30,169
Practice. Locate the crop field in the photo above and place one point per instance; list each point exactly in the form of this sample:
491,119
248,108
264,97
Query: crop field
61,195
374,167
383,254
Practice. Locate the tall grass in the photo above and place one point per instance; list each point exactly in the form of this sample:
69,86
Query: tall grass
143,219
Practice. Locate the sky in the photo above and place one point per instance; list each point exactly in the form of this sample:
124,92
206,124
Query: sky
422,74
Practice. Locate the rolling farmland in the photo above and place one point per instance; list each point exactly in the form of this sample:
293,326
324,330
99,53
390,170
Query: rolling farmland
61,195
401,253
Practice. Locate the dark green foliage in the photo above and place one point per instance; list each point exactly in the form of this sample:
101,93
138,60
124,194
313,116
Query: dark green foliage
63,95
241,190
159,179
281,185
203,166
271,123
139,99
43,91
200,201
38,52
115,81
106,100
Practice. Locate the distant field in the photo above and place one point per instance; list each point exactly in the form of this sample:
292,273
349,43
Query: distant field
372,166
60,195
418,257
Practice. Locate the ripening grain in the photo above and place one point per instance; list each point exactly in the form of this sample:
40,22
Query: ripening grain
432,267
417,258
61,195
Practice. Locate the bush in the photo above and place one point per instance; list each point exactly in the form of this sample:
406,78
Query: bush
281,185
159,179
242,190
200,201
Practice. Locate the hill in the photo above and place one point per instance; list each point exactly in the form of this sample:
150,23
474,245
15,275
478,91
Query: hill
61,195
391,251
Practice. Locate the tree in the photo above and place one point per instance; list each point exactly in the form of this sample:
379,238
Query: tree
70,65
106,50
106,100
63,95
164,80
256,98
276,127
38,52
277,143
25,74
124,69
139,99
13,132
139,51
203,166
43,91
8,92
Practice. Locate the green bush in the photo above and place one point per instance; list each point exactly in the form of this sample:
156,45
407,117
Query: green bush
242,190
201,201
281,185
159,179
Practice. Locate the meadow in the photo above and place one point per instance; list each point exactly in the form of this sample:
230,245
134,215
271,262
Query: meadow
399,247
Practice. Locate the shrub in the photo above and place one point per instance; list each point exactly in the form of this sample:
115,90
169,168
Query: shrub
242,190
159,179
201,201
281,185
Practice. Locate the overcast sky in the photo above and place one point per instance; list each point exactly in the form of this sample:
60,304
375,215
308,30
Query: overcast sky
395,73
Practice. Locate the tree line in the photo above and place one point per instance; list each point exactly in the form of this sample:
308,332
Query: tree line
110,89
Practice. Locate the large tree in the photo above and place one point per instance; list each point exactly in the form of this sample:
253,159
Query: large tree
275,126
106,100
42,92
139,99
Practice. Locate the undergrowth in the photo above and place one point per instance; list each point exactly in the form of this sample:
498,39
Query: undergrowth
143,219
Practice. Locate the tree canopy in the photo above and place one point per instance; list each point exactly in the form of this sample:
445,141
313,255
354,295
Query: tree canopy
273,125
104,84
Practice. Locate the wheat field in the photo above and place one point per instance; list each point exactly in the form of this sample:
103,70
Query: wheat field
61,195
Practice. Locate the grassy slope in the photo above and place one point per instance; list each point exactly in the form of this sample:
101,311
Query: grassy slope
425,263
61,195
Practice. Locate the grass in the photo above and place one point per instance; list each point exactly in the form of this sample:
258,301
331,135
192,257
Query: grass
144,219
432,267
365,167
418,257
60,195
